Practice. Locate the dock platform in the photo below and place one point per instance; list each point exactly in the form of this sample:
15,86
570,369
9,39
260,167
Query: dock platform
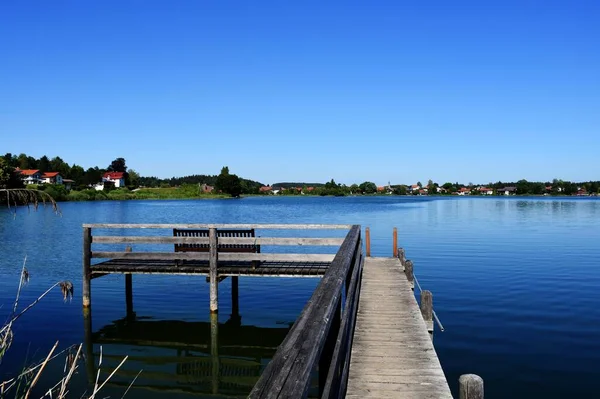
360,335
392,353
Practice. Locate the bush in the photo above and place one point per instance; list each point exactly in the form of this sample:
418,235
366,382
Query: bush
120,194
100,196
78,196
56,191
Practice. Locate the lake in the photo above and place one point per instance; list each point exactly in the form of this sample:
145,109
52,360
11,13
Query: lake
515,283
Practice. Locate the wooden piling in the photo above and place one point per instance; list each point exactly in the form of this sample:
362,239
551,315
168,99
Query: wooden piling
213,260
427,309
368,241
235,299
90,367
87,273
214,352
408,270
129,294
470,386
402,256
129,290
395,240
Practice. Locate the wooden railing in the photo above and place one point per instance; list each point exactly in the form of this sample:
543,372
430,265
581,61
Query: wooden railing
322,334
213,256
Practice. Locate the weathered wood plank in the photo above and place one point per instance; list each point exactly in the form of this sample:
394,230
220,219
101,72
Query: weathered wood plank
218,226
244,257
287,241
392,354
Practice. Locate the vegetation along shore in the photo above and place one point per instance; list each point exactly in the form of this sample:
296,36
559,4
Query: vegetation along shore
66,182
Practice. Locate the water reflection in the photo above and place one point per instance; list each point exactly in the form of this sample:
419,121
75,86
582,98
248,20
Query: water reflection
180,356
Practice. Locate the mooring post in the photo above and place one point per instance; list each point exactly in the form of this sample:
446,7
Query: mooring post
368,241
395,249
427,310
402,256
129,291
214,351
213,260
471,386
90,367
87,273
408,270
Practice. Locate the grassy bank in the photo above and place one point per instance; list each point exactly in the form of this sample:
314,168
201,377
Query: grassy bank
182,192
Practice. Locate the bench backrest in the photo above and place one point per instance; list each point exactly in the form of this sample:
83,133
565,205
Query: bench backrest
251,248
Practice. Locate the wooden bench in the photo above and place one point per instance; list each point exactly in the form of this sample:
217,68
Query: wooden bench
247,248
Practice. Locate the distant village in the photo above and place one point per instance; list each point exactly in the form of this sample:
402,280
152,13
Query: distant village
117,180
35,176
430,189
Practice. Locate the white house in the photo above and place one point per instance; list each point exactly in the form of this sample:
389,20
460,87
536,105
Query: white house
118,178
52,178
30,176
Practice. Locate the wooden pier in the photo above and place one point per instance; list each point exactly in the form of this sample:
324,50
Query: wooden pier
392,351
361,334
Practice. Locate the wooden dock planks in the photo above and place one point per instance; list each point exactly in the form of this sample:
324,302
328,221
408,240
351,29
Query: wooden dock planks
392,353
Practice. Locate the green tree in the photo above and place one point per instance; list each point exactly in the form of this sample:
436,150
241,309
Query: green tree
60,166
44,164
400,190
354,188
76,173
523,187
5,172
368,187
228,183
92,176
118,165
134,178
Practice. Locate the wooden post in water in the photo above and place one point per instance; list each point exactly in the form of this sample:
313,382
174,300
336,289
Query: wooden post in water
402,256
87,272
395,249
427,310
129,291
90,367
235,298
368,241
408,270
214,352
470,386
213,260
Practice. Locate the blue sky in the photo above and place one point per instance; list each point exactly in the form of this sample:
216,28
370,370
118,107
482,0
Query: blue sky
286,91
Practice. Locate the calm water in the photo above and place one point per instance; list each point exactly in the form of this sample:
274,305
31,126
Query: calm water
515,283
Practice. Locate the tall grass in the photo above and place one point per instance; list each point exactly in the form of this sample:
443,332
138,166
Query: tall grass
21,386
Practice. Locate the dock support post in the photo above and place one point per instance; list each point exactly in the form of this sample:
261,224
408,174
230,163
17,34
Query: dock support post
213,260
330,341
235,298
87,273
214,352
395,249
90,367
129,291
129,295
408,270
427,310
471,386
368,241
402,256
